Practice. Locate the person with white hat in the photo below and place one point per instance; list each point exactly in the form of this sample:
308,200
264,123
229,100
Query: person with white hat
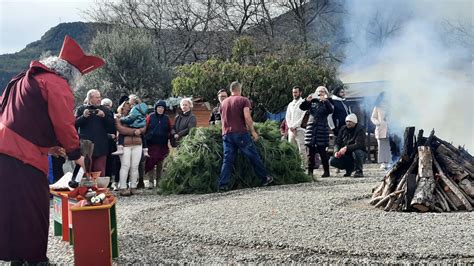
36,118
317,129
350,148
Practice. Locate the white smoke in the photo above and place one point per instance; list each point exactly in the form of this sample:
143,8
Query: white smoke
426,59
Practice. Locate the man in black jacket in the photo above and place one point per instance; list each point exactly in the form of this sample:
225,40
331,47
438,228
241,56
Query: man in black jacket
93,123
350,148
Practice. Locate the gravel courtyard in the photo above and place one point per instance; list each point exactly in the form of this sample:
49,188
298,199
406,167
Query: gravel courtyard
328,221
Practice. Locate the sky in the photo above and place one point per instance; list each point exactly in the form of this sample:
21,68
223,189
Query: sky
25,21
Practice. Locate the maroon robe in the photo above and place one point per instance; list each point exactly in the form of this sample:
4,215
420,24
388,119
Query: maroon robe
36,113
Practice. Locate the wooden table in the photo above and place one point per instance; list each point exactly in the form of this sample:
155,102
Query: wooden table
92,230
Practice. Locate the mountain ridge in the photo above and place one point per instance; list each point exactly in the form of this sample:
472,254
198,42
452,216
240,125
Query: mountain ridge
51,42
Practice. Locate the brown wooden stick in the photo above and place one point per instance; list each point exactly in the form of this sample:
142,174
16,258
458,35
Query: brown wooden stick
467,166
382,201
459,151
408,172
388,179
393,194
378,191
408,139
448,200
442,200
376,199
452,186
471,201
389,204
452,166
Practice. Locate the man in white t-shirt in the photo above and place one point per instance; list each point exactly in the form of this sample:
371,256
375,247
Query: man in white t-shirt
294,117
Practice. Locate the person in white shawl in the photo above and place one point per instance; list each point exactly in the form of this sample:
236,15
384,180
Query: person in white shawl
379,119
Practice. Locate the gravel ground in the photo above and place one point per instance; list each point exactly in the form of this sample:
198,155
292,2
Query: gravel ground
328,221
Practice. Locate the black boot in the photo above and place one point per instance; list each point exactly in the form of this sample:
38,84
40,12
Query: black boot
359,173
326,170
348,173
325,162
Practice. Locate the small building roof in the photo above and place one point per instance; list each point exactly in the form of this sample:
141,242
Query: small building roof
365,89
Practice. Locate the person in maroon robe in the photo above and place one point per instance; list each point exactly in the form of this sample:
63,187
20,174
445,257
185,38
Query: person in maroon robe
36,118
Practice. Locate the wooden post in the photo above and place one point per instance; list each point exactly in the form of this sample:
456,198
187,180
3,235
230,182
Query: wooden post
423,199
408,139
419,138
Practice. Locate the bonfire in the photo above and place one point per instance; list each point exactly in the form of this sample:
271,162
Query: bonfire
431,175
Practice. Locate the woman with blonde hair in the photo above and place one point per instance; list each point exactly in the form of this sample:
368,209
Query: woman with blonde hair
317,130
132,152
184,121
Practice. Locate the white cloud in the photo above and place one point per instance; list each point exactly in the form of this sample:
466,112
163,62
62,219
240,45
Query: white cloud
25,21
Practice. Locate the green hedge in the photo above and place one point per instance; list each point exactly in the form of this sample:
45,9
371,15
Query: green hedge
195,167
268,84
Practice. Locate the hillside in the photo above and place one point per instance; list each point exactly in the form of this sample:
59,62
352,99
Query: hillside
12,64
327,29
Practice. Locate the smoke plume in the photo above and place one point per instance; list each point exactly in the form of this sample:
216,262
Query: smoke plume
424,50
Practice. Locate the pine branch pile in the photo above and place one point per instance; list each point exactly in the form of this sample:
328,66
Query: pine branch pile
196,165
431,175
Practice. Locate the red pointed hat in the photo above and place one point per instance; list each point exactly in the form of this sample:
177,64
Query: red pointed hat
72,52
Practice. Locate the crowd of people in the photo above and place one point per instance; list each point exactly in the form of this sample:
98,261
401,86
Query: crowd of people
310,121
132,142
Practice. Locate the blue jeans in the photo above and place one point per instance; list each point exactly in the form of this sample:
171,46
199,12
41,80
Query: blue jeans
244,143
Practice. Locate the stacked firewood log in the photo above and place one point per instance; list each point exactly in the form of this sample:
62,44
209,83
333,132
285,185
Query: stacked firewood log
431,175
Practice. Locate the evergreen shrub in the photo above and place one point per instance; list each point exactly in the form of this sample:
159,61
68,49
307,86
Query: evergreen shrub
196,165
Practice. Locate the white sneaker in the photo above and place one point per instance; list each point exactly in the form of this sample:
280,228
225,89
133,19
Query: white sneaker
382,166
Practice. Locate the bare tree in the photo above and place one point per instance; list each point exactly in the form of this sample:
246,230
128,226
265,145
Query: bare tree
306,12
191,21
461,32
383,26
236,15
177,25
265,18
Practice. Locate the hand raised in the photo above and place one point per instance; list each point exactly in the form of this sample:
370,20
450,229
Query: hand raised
100,113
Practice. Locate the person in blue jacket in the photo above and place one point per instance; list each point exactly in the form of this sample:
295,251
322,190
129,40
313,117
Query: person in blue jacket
136,118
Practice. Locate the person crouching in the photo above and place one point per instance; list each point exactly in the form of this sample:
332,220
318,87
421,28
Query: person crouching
350,148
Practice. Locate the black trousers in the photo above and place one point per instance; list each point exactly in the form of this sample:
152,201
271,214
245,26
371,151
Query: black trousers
324,157
58,167
350,161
